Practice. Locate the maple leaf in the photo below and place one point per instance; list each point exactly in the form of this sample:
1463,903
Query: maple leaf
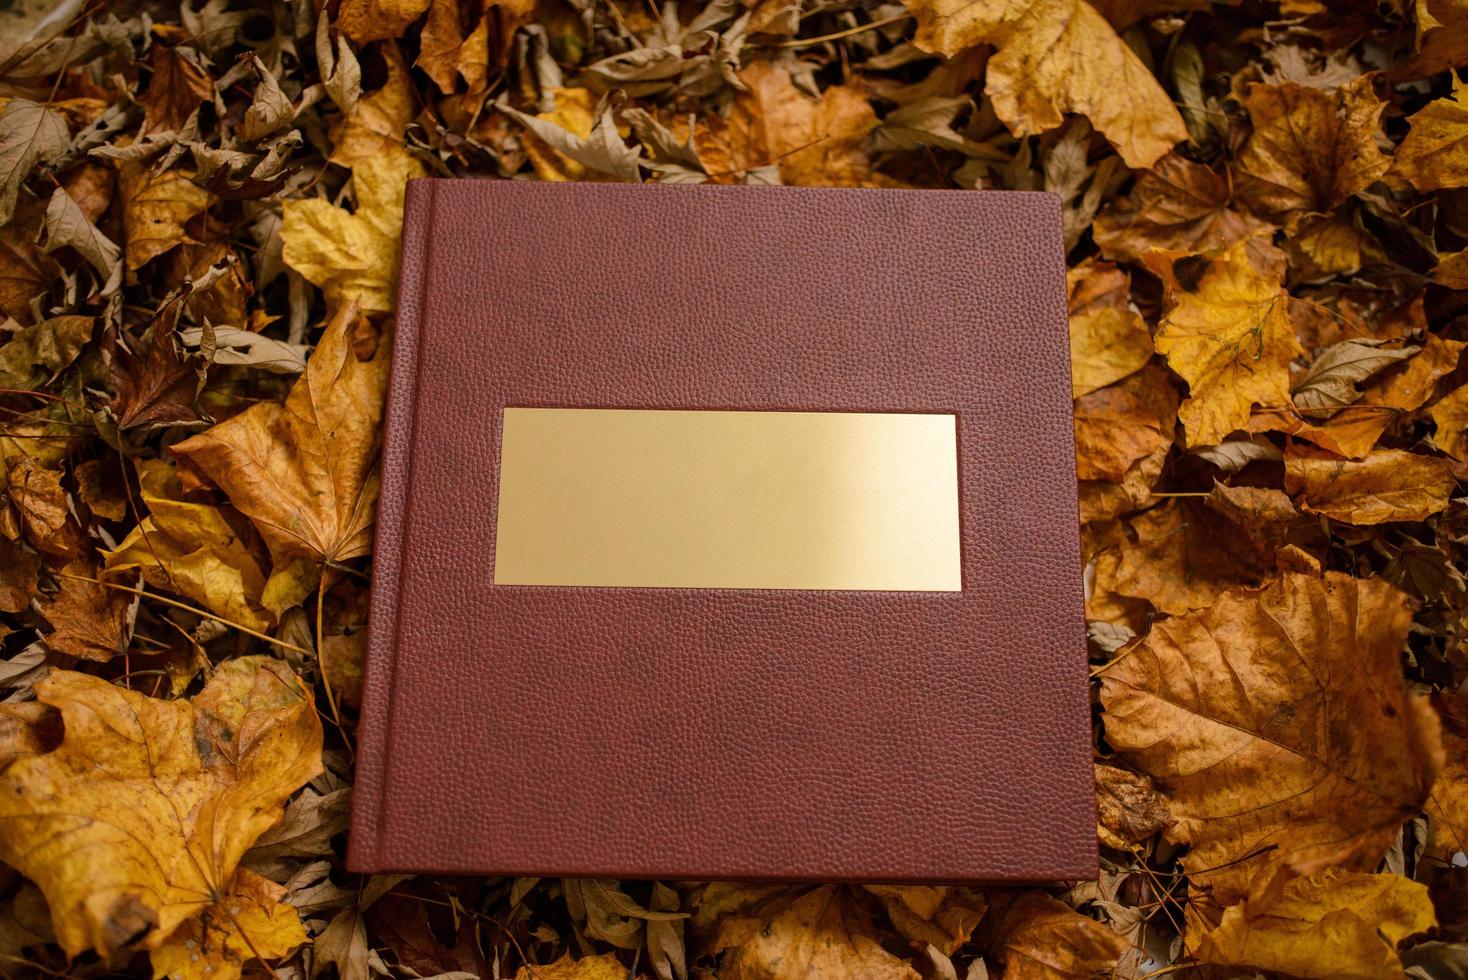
376,20
160,388
1227,334
1178,205
305,473
374,123
1334,923
190,548
1388,485
1054,57
1435,153
1311,148
137,821
1277,724
155,209
178,87
603,967
1037,937
353,256
89,620
249,921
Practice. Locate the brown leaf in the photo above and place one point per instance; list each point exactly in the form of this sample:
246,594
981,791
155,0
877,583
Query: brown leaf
939,916
1335,923
376,122
603,967
1129,807
30,133
35,354
1388,485
1330,383
1178,205
45,514
1054,57
18,570
1122,423
1450,415
143,812
1435,153
578,140
176,90
1039,938
1227,334
306,472
377,20
89,620
1311,148
155,208
1277,724
1448,805
157,387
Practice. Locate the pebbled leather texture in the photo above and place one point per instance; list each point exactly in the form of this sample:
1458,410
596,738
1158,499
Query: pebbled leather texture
769,734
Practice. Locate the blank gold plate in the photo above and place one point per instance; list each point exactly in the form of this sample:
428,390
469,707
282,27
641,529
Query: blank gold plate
728,500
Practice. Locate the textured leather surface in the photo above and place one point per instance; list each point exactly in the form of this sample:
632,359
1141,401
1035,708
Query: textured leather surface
679,733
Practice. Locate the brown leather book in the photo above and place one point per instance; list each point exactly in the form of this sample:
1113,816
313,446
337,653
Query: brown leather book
727,532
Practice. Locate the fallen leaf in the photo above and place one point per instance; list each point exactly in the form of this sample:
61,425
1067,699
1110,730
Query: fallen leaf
353,256
305,472
1452,270
89,620
19,569
1117,425
1054,57
1108,339
603,967
1178,205
376,20
1435,153
577,140
1330,383
1129,808
191,549
1388,485
137,821
939,916
34,354
1311,148
44,511
176,90
155,209
67,226
1335,923
1279,728
1227,334
1447,807
1450,415
157,387
250,921
375,123
1037,937
29,134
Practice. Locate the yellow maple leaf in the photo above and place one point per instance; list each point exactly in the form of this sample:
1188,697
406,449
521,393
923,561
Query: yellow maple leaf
377,20
189,547
305,472
1435,153
1040,938
1108,339
603,967
251,921
1054,57
1227,334
1450,415
155,209
353,255
139,818
1278,725
1335,923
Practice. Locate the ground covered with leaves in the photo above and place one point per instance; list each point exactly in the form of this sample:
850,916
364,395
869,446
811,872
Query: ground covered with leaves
1267,226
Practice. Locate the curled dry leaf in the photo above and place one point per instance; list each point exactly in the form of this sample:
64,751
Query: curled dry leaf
43,510
305,473
34,354
1334,923
1054,57
1037,937
1311,147
1330,383
578,139
137,821
1228,334
1388,485
1277,723
353,257
251,920
1129,807
190,548
29,133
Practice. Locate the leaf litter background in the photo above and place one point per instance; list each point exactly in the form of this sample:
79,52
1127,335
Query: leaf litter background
1267,226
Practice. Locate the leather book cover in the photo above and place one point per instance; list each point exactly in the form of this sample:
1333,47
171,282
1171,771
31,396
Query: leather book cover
727,532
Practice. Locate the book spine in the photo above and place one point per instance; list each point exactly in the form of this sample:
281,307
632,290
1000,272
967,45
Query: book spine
375,723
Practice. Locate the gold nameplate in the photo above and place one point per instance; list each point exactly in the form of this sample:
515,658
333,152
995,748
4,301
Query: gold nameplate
728,500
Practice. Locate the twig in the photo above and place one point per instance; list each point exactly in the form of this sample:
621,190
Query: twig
801,42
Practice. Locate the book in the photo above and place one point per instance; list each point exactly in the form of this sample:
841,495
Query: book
731,533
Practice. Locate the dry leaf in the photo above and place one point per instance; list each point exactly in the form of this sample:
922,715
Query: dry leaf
29,134
1330,383
375,20
45,514
176,90
1332,924
1129,808
32,355
89,620
578,139
1448,805
156,388
190,548
1435,153
67,226
1450,415
1108,339
306,472
1178,205
1278,726
250,921
1039,938
155,209
1228,334
1388,485
1311,148
139,818
937,916
1122,423
603,967
353,257
375,123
